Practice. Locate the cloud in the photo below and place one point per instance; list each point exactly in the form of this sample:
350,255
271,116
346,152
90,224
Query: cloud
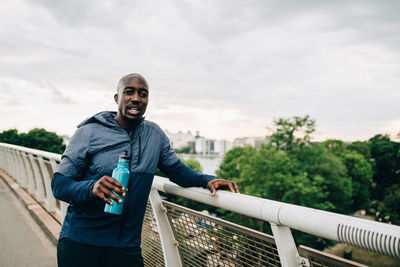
337,61
59,96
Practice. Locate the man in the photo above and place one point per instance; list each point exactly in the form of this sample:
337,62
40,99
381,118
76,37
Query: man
89,236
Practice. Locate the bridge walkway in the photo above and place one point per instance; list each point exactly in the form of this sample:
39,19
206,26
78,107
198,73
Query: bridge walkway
22,241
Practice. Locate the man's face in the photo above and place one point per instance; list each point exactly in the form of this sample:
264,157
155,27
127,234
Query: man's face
132,98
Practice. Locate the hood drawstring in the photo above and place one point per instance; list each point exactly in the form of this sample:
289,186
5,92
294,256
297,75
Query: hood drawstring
140,149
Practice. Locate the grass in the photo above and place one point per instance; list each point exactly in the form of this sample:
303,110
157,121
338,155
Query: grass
364,256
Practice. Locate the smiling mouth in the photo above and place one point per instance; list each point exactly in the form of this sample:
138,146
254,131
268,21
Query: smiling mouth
134,110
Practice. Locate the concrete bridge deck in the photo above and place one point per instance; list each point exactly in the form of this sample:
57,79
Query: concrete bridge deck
22,241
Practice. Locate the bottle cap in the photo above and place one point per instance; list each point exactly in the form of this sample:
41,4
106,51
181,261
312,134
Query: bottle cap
124,156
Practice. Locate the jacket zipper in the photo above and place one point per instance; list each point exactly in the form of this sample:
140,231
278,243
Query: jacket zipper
132,137
140,149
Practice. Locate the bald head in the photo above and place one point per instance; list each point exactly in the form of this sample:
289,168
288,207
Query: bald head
131,77
132,97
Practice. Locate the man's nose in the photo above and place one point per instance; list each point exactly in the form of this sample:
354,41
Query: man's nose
135,97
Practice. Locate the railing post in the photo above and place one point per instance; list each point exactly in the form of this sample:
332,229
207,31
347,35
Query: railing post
169,244
286,246
51,201
12,160
17,173
2,158
39,192
23,172
7,164
23,180
21,167
7,156
30,180
29,172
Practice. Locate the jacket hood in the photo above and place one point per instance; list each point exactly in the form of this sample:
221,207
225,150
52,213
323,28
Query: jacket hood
105,117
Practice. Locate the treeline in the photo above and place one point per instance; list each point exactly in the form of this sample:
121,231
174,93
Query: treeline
332,175
37,138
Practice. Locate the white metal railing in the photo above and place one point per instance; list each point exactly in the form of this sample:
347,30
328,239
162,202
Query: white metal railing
33,170
374,236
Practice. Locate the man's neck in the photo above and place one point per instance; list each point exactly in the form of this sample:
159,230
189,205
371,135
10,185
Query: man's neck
127,125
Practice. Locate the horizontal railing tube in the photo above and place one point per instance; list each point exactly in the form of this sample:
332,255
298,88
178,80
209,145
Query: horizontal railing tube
324,224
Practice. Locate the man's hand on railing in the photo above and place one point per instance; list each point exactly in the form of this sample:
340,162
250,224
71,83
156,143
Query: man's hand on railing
215,184
103,189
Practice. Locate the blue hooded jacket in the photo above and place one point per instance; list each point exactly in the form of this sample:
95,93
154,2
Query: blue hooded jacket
92,153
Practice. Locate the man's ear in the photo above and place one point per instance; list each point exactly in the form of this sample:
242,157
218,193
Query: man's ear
116,98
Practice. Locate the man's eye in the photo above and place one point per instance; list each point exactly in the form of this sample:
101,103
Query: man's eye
143,93
128,92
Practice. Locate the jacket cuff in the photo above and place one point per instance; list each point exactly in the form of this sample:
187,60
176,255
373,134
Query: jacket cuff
90,189
206,179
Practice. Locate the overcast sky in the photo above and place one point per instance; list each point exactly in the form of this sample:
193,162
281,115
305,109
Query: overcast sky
225,68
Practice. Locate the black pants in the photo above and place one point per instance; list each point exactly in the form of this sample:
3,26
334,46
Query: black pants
72,254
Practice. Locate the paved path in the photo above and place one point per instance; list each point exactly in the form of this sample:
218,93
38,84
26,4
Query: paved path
22,242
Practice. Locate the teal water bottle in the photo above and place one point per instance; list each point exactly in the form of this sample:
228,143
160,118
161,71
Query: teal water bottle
121,174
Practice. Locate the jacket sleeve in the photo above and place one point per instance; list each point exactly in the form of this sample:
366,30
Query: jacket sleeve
184,176
67,189
67,183
177,171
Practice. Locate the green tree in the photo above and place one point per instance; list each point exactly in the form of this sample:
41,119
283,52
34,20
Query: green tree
358,168
361,148
386,156
10,136
309,192
35,138
258,172
318,163
274,174
361,174
391,204
265,173
313,161
335,146
292,132
293,170
231,166
43,140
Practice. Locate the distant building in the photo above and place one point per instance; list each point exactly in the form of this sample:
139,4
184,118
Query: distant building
250,141
222,146
181,140
204,146
201,145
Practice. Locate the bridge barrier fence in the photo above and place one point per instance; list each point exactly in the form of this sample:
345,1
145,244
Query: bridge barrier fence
177,236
